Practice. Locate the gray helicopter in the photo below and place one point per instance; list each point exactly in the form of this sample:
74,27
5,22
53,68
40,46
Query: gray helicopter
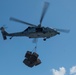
34,31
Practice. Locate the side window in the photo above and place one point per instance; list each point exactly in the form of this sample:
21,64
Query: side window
32,29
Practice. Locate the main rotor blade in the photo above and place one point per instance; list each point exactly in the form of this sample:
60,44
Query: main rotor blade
46,5
17,20
63,30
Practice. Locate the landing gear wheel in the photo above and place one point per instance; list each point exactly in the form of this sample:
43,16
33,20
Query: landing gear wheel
44,39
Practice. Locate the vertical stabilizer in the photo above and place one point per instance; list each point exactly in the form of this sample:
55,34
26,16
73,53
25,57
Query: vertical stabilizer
4,33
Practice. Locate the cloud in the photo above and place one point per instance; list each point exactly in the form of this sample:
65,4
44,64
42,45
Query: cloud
61,71
73,70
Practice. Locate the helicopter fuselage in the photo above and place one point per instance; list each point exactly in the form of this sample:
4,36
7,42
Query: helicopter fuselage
36,32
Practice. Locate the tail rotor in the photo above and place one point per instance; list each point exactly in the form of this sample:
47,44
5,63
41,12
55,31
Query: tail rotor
4,33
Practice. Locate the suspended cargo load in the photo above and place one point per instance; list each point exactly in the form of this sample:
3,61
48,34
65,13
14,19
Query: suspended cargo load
28,54
31,59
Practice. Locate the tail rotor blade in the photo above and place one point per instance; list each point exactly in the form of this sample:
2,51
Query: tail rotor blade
3,27
46,5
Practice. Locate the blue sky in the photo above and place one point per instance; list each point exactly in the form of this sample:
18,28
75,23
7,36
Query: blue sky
58,54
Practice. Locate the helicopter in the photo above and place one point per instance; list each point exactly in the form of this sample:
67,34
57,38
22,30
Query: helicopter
34,31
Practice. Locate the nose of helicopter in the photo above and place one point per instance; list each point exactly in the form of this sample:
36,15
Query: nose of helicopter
58,32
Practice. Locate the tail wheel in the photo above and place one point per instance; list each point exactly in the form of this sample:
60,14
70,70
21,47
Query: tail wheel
44,39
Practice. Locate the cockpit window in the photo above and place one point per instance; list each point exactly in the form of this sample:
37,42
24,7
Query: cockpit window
27,29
